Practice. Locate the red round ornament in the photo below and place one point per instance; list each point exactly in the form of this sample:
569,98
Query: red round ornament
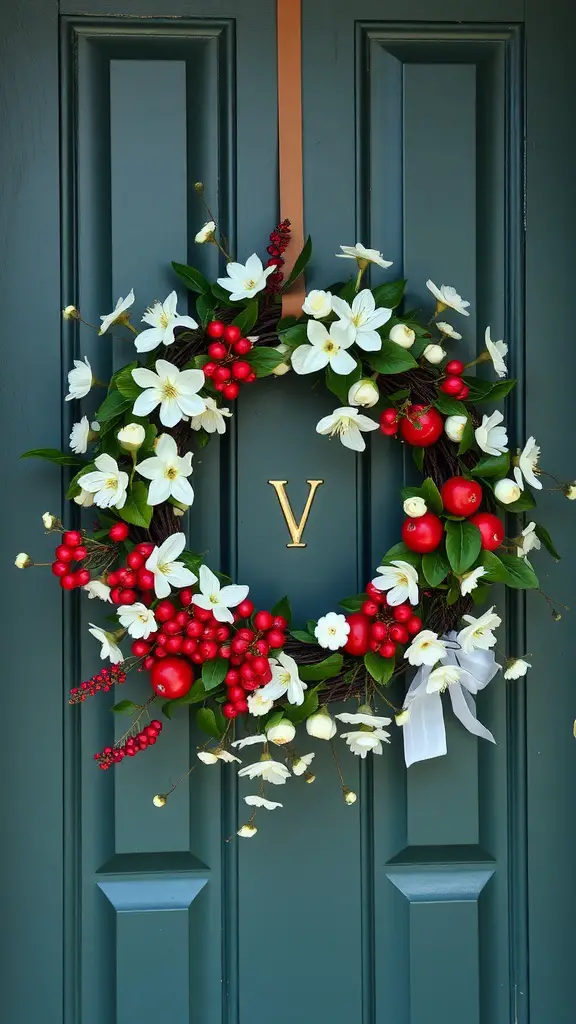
421,427
461,497
119,532
423,534
359,634
491,529
171,678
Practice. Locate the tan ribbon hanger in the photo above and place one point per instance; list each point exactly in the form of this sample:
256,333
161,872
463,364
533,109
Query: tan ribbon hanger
289,36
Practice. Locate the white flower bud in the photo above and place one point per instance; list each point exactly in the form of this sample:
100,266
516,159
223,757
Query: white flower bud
282,732
434,354
516,667
364,392
454,427
570,491
247,831
85,498
23,561
321,725
415,507
402,335
160,799
282,368
207,757
402,717
131,437
507,491
206,233
317,304
71,313
349,796
49,520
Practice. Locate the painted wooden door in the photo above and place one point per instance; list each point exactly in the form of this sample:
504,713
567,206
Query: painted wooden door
440,132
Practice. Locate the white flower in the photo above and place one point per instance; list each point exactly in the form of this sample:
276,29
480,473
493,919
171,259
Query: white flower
402,335
400,579
247,831
245,280
469,580
211,419
167,571
258,705
361,319
267,769
326,347
434,354
362,741
516,667
301,763
442,677
331,631
95,588
168,472
70,313
109,647
282,368
85,498
108,483
527,462
426,648
318,304
174,390
448,330
260,801
569,491
454,427
528,541
478,634
49,521
320,725
23,561
402,717
490,436
415,507
117,314
207,757
137,619
217,754
258,737
496,350
445,296
216,599
206,233
364,392
163,317
283,732
285,680
363,255
79,436
79,380
507,491
347,423
363,717
131,437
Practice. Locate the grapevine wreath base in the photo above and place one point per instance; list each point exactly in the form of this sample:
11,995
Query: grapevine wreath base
196,635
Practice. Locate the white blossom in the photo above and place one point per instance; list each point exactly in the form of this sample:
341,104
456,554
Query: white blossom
247,831
496,350
79,436
362,741
364,716
426,648
168,572
137,619
507,491
79,380
248,741
267,769
49,521
415,507
318,304
402,335
348,425
362,319
400,580
478,635
302,763
527,462
244,281
285,680
469,581
362,255
109,647
325,348
118,313
217,599
95,588
108,483
259,705
23,561
206,233
260,801
85,498
490,436
446,296
434,354
331,631
131,437
163,318
363,393
448,330
174,390
454,427
442,677
320,725
528,541
516,668
168,473
211,419
283,732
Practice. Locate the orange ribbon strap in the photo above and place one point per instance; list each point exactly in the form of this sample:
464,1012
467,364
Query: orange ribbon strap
289,32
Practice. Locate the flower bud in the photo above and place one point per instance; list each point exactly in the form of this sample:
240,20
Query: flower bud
247,831
507,491
282,368
402,717
570,491
454,427
207,757
23,561
206,233
49,520
310,778
363,392
415,507
349,796
402,335
85,498
160,799
71,313
282,732
434,354
131,437
321,725
317,304
515,668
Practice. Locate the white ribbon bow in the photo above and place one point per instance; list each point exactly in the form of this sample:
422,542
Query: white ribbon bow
425,732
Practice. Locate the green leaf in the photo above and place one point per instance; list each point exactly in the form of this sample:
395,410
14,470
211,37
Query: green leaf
283,608
206,720
492,465
525,502
303,636
486,390
273,719
435,567
213,673
125,383
264,360
125,707
137,510
519,574
295,335
418,457
481,592
453,593
326,669
340,385
543,535
54,455
495,569
113,406
247,317
191,560
74,487
463,544
467,437
205,307
298,714
195,694
401,552
389,294
223,296
353,604
300,264
431,495
450,406
391,358
381,669
191,277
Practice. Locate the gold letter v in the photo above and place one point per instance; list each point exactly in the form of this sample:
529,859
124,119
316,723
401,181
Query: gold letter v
295,529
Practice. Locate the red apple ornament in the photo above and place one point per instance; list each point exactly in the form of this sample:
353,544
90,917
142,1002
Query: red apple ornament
359,635
171,677
423,534
461,497
491,529
421,428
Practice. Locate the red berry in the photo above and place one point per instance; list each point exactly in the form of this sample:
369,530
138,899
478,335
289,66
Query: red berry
241,369
72,538
116,595
235,693
193,629
402,612
242,347
80,552
421,428
239,646
161,639
279,622
229,710
128,596
171,678
254,684
379,631
119,532
451,386
263,620
164,611
423,534
145,579
231,391
388,649
135,560
83,577
172,627
140,648
276,638
246,672
219,385
215,329
245,609
222,374
174,644
463,393
112,579
69,581
129,578
389,416
241,706
182,618
232,677
399,633
189,646
185,596
222,634
203,614
455,368
491,529
370,608
373,592
64,554
461,497
232,333
145,549
217,350
261,646
357,642
414,625
157,725
251,378
259,665
60,568
387,427
245,634
208,649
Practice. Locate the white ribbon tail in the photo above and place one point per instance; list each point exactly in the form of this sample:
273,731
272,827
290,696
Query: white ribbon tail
464,707
424,732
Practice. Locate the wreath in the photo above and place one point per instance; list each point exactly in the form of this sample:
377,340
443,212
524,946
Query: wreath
195,633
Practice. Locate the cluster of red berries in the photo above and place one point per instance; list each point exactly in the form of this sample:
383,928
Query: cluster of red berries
133,745
279,239
132,581
104,680
419,425
380,628
71,550
250,668
453,384
226,369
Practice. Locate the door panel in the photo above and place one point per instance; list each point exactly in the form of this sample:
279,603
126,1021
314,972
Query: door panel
412,906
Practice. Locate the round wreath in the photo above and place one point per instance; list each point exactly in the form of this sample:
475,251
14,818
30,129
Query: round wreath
196,633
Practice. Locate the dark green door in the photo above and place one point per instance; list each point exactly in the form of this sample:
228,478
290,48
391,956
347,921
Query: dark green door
441,132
